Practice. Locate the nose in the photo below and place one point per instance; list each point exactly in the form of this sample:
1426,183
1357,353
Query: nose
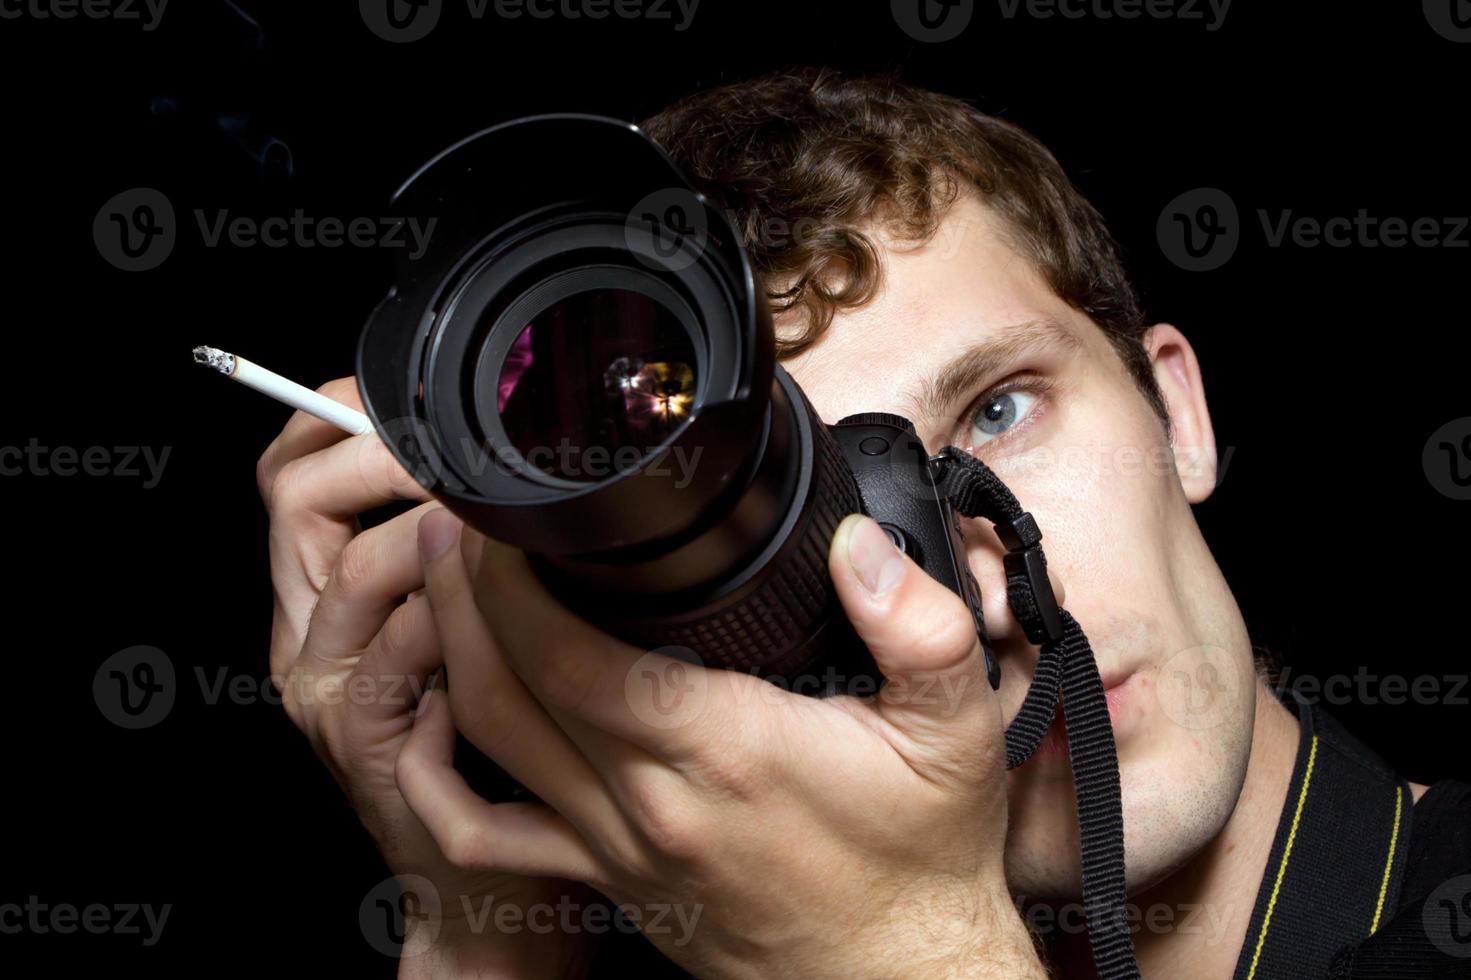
984,553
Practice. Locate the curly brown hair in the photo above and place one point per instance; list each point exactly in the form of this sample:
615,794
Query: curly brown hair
826,155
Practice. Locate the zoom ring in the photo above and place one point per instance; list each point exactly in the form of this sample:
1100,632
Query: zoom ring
775,629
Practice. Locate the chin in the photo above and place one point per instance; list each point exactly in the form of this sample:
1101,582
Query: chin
1179,788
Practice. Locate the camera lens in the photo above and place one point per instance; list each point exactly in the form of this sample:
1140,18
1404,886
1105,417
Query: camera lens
595,382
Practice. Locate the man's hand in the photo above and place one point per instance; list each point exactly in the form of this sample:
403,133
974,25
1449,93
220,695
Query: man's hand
751,830
352,657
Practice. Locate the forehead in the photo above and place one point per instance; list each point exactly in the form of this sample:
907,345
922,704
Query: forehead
935,301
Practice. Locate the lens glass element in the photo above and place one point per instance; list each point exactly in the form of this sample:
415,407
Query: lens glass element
595,382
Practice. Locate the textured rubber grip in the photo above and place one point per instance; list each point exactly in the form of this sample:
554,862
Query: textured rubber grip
774,624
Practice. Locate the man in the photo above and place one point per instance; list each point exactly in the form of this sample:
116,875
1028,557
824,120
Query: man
926,260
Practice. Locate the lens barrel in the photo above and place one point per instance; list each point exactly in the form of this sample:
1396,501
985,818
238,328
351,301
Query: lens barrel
581,364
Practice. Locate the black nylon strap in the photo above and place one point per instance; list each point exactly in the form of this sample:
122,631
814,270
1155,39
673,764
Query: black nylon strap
1337,861
1065,667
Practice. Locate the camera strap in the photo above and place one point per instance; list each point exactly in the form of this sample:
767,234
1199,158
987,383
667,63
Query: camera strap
1065,670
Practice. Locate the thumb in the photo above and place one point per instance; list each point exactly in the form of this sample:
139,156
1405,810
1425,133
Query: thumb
924,640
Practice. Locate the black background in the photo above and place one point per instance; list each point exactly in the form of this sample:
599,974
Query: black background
1327,370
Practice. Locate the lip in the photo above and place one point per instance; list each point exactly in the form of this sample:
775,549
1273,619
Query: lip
1117,692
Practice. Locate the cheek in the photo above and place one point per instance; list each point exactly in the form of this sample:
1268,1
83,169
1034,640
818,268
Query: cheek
1104,515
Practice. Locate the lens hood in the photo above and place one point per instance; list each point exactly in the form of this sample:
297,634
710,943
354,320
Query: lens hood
525,209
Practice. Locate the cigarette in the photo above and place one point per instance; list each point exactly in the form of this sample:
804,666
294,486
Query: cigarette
284,390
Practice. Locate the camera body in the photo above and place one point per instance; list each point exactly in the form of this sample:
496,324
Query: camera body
779,617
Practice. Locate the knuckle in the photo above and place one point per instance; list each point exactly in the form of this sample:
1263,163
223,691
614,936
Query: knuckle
406,765
287,487
948,633
356,566
466,846
568,675
670,828
401,631
293,708
342,390
337,748
265,474
736,775
487,716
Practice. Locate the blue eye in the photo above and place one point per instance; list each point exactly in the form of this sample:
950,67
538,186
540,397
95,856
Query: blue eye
999,413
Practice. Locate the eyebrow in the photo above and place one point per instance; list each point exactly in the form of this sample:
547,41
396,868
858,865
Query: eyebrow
932,396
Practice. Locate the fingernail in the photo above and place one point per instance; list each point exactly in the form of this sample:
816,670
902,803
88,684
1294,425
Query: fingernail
875,560
438,529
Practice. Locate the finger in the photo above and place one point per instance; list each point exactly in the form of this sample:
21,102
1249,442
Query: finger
304,433
517,838
923,639
396,666
371,577
494,709
342,480
673,709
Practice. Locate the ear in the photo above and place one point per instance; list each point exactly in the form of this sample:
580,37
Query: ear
1177,372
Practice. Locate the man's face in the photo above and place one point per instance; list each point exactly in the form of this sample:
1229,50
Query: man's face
968,341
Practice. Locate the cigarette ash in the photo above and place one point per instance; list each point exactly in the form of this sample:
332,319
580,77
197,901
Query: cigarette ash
221,361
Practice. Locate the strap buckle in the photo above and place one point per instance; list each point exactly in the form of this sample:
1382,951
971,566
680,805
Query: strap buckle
1035,604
